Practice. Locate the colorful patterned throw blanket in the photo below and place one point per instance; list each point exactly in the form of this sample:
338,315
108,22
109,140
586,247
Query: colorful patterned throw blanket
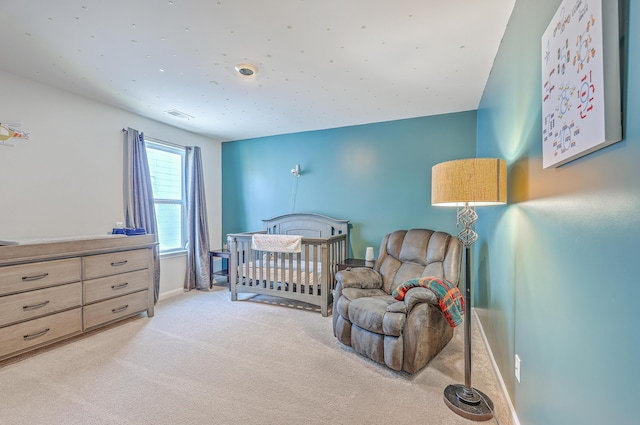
448,295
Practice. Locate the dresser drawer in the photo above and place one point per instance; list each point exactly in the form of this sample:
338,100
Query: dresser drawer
114,286
27,305
39,331
116,262
115,308
26,277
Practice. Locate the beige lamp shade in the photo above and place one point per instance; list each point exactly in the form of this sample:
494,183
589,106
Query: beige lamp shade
475,181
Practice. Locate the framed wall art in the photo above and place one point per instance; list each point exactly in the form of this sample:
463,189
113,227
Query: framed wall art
581,109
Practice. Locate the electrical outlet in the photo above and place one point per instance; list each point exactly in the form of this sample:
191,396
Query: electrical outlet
517,368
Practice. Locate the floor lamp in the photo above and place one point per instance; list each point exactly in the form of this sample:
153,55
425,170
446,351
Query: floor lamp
466,184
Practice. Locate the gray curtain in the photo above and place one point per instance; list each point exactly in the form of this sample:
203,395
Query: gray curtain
138,203
197,275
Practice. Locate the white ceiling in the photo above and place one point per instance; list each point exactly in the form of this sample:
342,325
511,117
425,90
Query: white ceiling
321,63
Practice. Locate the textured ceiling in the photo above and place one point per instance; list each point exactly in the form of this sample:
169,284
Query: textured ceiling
321,63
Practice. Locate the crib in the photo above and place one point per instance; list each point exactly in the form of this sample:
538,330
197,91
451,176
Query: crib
306,275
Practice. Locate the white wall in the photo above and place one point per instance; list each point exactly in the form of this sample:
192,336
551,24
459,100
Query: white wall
66,180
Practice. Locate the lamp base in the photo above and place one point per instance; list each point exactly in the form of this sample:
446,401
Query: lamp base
469,403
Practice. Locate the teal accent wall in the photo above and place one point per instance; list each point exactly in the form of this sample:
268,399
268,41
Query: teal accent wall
554,270
378,176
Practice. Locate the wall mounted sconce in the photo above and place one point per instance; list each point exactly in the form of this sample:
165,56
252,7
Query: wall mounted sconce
296,171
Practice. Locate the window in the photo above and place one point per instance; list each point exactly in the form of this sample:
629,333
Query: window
167,169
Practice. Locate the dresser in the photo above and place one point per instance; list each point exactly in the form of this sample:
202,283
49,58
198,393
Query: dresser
54,290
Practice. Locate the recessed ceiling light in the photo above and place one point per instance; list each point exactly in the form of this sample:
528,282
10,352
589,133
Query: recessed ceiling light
246,70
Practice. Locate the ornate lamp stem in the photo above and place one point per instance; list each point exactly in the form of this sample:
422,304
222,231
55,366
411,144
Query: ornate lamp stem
467,217
464,399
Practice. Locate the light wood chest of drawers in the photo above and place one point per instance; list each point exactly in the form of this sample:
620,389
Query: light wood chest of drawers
55,290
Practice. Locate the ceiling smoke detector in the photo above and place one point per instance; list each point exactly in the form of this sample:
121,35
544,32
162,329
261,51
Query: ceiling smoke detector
246,70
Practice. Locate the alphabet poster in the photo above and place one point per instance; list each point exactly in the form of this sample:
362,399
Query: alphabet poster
574,99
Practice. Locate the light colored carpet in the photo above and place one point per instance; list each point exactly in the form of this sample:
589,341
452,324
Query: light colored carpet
206,360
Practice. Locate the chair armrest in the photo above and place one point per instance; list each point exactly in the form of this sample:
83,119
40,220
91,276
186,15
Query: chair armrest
419,295
397,307
359,277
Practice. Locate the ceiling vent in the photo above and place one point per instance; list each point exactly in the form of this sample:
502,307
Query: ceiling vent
178,114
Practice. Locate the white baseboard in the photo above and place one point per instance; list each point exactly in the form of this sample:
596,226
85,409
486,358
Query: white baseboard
512,410
169,294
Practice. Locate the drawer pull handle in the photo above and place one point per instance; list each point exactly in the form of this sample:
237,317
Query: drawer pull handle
119,263
35,306
35,335
120,309
121,286
32,278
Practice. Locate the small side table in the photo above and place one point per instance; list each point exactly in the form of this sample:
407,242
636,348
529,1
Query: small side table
220,253
355,262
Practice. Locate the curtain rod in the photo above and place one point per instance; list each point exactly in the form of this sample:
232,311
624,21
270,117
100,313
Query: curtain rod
164,142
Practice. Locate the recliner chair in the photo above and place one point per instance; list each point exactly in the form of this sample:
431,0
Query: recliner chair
404,335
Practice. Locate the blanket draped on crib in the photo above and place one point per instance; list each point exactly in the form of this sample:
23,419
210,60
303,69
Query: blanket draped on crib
276,243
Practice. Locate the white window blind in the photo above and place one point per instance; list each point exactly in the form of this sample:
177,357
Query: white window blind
167,169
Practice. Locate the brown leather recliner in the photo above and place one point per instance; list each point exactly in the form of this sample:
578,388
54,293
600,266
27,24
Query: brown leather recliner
404,335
